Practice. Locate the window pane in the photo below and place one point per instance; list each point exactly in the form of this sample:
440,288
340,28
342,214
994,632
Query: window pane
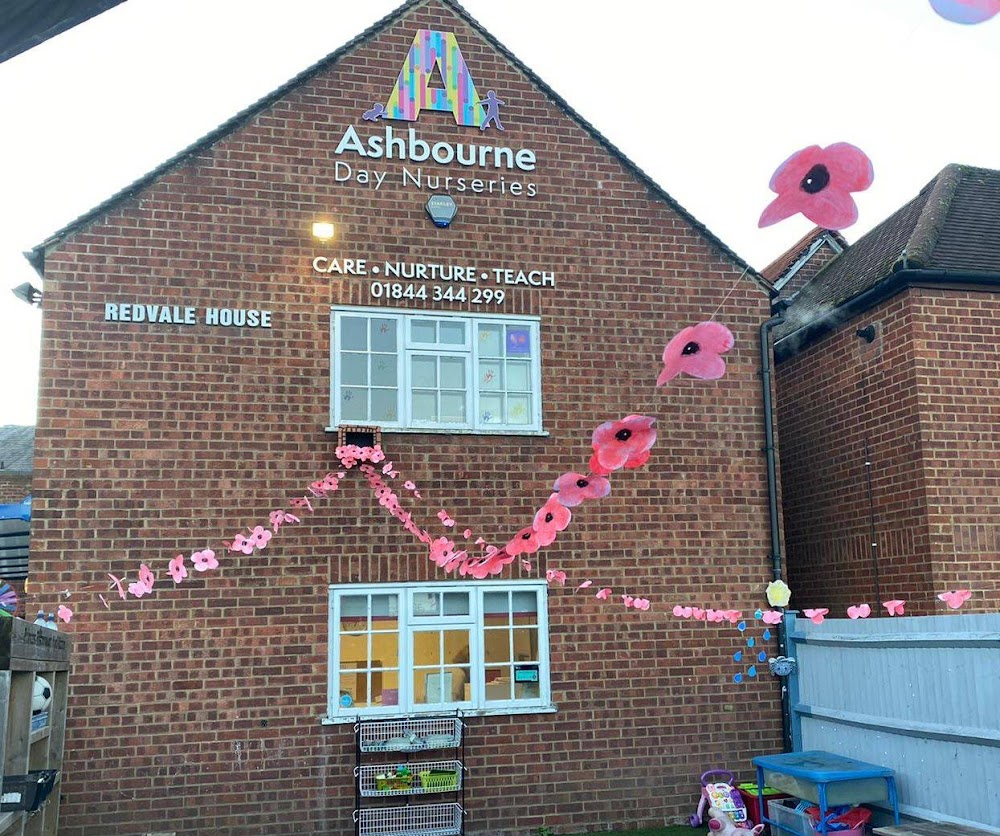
423,331
424,372
518,340
518,376
385,650
353,333
435,686
453,407
384,405
424,406
490,376
526,645
490,344
456,603
452,373
491,409
354,605
383,369
354,650
525,608
498,683
385,692
354,369
497,644
353,689
527,690
518,409
383,335
427,647
385,605
497,602
452,333
456,647
354,404
426,603
460,688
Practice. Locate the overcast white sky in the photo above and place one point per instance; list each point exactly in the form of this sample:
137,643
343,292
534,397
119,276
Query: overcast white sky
707,96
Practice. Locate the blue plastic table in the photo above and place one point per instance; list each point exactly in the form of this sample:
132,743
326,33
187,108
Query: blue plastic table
822,769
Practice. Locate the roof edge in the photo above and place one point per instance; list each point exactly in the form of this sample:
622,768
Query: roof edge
932,218
899,280
36,255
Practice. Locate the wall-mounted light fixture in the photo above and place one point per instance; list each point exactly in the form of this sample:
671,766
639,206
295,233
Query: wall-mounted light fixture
867,333
323,230
28,293
442,209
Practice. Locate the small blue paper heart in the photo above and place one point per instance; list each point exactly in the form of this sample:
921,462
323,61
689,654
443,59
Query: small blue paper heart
767,635
738,678
741,626
752,670
738,656
751,641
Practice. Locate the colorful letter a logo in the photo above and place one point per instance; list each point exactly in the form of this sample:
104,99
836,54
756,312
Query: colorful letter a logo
432,51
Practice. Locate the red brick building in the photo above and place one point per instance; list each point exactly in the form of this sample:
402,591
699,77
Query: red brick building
887,371
226,705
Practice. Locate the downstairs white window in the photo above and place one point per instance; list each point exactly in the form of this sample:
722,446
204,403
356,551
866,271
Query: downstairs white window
433,648
417,370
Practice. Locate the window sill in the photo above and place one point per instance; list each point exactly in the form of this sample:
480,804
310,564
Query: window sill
445,431
505,711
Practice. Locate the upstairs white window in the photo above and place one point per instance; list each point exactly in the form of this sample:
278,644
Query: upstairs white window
415,370
412,648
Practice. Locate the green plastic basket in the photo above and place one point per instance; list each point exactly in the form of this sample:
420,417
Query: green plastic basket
441,780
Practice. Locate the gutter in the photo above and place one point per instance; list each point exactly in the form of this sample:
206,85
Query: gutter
772,495
901,278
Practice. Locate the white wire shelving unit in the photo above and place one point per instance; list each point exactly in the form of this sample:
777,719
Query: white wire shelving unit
425,819
372,775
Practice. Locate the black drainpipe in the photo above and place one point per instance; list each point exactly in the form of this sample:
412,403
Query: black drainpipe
772,494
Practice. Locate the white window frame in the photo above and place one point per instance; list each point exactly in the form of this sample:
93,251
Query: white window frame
470,351
410,623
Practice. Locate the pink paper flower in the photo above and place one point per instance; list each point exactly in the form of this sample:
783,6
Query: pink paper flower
138,589
64,612
682,612
178,571
280,518
389,471
524,542
204,560
603,594
117,582
526,565
732,616
697,613
146,577
627,600
816,616
574,488
301,502
447,521
260,537
695,351
860,611
956,598
442,551
818,183
894,607
467,533
555,576
641,604
584,585
624,443
241,544
551,518
771,617
966,11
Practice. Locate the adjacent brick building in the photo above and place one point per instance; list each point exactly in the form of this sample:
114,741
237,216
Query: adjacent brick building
887,371
16,445
225,705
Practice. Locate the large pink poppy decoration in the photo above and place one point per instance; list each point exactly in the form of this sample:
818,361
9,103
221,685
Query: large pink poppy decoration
623,443
966,11
818,182
695,351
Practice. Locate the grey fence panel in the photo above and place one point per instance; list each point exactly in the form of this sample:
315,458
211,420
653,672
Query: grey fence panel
919,695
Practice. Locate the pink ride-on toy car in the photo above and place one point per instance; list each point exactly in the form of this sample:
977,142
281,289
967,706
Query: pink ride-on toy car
721,794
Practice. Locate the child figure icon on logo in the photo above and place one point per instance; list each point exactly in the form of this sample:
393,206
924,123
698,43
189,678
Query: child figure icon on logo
491,105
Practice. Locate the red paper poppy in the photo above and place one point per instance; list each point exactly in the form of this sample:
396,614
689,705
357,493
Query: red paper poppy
551,518
695,351
624,443
573,488
524,542
818,183
966,11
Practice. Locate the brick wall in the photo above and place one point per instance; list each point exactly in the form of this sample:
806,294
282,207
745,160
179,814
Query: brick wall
14,487
197,709
922,397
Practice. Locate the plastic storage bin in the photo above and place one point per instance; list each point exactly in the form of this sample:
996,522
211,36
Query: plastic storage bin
782,812
748,792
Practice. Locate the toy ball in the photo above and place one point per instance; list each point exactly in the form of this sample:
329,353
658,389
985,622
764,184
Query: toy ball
41,696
